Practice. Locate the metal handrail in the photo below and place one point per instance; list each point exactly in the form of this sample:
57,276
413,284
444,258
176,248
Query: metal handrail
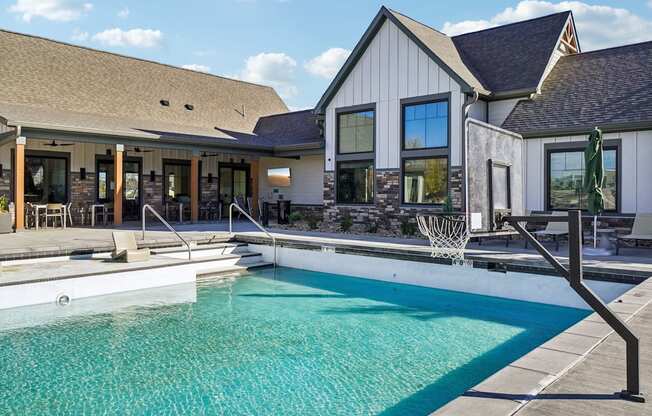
169,227
260,227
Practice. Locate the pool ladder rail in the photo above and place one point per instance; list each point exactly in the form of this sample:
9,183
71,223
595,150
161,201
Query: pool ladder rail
149,208
260,227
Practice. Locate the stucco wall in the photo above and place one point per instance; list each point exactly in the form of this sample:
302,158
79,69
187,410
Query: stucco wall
489,142
307,179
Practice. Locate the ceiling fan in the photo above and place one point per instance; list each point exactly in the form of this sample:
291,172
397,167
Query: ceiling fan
139,150
205,154
53,143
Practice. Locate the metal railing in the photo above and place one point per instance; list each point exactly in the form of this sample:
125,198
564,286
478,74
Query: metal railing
169,227
260,227
574,275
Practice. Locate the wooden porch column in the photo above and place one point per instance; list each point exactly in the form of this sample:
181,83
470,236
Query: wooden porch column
194,187
255,167
117,190
19,185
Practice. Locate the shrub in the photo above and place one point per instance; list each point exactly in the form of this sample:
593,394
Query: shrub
313,221
4,203
346,222
372,228
295,217
407,227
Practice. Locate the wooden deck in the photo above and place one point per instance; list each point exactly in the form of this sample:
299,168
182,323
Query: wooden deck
588,389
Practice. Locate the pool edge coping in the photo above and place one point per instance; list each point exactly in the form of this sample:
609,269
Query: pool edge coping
516,385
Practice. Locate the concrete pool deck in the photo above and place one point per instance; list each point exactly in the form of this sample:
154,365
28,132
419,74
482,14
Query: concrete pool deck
577,373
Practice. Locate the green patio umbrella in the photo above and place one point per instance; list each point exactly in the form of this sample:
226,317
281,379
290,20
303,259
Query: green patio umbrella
594,178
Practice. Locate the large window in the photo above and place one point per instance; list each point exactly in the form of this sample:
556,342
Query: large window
425,125
176,181
355,182
425,181
355,132
566,179
46,179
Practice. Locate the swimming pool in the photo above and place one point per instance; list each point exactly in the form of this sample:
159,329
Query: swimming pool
303,343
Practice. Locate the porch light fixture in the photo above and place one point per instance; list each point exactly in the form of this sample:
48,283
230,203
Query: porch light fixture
189,107
210,177
108,152
152,176
82,173
165,103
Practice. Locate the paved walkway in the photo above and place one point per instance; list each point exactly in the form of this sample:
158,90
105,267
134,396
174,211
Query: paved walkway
588,388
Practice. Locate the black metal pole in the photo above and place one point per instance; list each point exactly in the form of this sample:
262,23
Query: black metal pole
574,275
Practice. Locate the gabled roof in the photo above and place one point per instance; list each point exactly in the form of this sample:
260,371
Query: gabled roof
39,76
512,57
435,44
609,88
298,128
505,59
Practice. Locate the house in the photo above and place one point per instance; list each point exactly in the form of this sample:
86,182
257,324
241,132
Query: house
490,121
487,122
88,127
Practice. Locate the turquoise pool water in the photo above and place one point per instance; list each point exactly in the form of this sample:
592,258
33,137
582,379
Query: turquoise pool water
305,343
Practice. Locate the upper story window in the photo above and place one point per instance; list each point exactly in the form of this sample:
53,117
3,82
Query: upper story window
425,125
355,132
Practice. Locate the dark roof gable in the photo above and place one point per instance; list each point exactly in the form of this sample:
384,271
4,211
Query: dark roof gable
512,57
289,129
609,88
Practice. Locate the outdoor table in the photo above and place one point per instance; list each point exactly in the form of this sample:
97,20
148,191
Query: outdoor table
44,207
603,238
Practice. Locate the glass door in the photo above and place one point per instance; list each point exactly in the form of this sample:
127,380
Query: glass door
130,188
234,182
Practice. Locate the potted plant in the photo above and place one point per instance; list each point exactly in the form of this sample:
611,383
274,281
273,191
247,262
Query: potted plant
5,215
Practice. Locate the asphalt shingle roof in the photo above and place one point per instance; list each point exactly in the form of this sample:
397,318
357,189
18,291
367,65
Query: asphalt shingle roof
605,88
85,88
296,128
513,56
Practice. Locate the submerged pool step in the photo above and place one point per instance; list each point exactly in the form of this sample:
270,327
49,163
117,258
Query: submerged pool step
200,251
216,273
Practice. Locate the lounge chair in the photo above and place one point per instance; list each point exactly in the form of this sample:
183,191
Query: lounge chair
126,248
554,230
641,231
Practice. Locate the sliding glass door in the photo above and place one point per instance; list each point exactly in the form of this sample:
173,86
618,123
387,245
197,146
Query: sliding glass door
234,182
46,178
132,171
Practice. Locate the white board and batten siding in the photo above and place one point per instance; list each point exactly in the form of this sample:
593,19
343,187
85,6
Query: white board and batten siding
634,177
392,68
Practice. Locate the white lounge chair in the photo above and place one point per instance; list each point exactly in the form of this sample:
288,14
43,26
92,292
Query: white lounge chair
126,248
554,230
641,231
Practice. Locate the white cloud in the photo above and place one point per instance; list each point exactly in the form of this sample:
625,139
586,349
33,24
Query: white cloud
597,26
55,10
328,63
124,13
273,69
139,38
197,67
79,36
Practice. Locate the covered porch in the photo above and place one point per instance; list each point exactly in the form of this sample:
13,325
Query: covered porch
107,179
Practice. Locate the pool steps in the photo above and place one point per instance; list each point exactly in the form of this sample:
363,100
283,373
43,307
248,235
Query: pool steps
37,281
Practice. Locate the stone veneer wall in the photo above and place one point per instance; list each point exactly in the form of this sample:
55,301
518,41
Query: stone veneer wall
5,183
82,195
153,192
386,216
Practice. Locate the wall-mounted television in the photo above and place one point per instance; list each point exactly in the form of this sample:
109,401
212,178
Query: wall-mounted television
279,176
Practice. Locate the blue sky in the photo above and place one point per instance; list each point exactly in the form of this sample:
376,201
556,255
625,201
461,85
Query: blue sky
294,45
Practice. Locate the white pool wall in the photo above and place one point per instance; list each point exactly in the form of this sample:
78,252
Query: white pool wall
551,290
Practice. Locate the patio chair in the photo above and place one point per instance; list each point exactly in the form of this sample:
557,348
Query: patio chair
69,212
54,211
641,231
554,230
126,248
